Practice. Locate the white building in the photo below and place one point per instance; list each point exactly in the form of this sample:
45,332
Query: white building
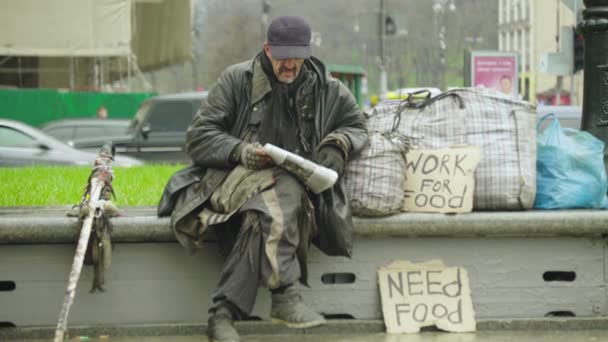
530,28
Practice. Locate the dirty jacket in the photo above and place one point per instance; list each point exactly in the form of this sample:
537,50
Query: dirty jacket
239,100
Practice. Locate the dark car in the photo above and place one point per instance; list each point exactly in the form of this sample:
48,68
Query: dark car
68,130
158,130
23,145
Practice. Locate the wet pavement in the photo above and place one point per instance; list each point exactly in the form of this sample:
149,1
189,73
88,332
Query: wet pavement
489,336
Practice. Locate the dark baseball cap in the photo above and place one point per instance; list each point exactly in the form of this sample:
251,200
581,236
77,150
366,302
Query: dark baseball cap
289,37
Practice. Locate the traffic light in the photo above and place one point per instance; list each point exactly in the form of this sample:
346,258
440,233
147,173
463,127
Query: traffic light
395,25
579,52
390,27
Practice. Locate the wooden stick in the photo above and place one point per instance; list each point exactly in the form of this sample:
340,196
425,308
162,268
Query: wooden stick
85,232
101,175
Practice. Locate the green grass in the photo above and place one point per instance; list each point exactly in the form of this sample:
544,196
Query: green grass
47,186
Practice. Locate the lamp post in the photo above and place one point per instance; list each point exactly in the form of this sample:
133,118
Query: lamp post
383,58
265,11
439,9
594,29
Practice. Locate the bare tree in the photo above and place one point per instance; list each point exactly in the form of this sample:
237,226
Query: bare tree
232,31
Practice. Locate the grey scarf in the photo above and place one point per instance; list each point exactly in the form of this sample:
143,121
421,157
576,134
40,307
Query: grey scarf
280,125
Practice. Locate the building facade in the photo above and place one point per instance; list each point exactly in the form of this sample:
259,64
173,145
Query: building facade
532,28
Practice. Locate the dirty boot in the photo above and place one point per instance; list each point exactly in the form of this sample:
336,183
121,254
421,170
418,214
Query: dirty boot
288,308
220,327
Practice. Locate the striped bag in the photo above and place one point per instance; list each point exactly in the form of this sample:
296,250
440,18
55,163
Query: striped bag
502,127
375,179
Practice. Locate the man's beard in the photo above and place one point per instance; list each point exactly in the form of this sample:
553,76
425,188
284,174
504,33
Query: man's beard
284,79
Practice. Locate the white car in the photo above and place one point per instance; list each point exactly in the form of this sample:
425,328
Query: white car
24,145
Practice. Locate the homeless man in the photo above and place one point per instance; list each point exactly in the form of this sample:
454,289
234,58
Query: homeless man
263,216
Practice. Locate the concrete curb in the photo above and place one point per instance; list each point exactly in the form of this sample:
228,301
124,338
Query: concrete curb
51,225
267,328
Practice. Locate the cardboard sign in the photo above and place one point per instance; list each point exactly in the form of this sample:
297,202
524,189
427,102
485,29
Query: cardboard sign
420,295
440,180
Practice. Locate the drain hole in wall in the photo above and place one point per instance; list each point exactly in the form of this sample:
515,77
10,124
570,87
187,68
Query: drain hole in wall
338,278
6,286
339,316
559,276
560,314
7,325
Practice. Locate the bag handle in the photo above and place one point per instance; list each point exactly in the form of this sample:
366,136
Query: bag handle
410,96
437,98
545,117
419,105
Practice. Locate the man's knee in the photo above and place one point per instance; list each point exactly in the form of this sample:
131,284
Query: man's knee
289,184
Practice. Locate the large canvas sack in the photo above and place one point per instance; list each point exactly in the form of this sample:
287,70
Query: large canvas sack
502,127
375,179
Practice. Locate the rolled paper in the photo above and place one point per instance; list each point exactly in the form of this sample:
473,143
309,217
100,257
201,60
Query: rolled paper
316,177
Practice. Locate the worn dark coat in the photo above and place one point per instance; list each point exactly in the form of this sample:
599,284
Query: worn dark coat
238,100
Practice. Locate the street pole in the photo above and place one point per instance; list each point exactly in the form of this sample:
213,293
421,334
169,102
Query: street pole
439,7
265,11
72,76
558,86
383,76
573,92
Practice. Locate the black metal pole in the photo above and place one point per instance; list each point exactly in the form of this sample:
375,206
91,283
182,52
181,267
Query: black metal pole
594,29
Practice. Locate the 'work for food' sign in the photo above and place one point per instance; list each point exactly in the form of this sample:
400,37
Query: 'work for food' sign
440,180
420,295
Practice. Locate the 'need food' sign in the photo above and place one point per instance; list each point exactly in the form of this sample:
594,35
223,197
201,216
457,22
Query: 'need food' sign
440,180
420,295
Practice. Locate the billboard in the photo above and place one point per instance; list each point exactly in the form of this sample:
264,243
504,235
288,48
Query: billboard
493,70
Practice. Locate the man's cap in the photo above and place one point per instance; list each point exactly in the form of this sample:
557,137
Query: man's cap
289,37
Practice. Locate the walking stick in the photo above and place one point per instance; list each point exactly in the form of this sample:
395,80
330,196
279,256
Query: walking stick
91,207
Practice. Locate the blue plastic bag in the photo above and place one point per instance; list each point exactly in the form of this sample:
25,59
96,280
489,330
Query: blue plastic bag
570,168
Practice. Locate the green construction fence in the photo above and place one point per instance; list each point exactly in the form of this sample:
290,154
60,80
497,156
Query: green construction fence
38,106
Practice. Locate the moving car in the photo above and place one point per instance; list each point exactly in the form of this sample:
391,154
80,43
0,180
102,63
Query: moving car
24,145
68,130
158,130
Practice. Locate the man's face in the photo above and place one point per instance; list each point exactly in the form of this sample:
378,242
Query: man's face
286,70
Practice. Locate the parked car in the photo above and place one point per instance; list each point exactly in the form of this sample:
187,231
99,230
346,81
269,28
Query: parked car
158,130
23,145
569,116
68,130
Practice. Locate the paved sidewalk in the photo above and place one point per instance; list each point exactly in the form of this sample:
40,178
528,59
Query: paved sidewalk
486,336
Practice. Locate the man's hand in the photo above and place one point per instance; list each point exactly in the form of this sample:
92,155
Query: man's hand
254,157
331,157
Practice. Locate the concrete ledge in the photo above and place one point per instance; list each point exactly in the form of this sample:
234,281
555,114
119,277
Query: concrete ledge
352,327
140,224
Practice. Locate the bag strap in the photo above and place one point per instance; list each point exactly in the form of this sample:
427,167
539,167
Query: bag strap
411,97
437,98
546,117
409,103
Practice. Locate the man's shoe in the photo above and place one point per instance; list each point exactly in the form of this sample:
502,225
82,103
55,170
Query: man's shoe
220,327
288,308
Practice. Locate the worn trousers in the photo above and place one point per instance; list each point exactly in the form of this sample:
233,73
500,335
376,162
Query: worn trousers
275,226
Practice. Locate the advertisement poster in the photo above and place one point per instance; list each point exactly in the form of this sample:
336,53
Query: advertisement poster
495,70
